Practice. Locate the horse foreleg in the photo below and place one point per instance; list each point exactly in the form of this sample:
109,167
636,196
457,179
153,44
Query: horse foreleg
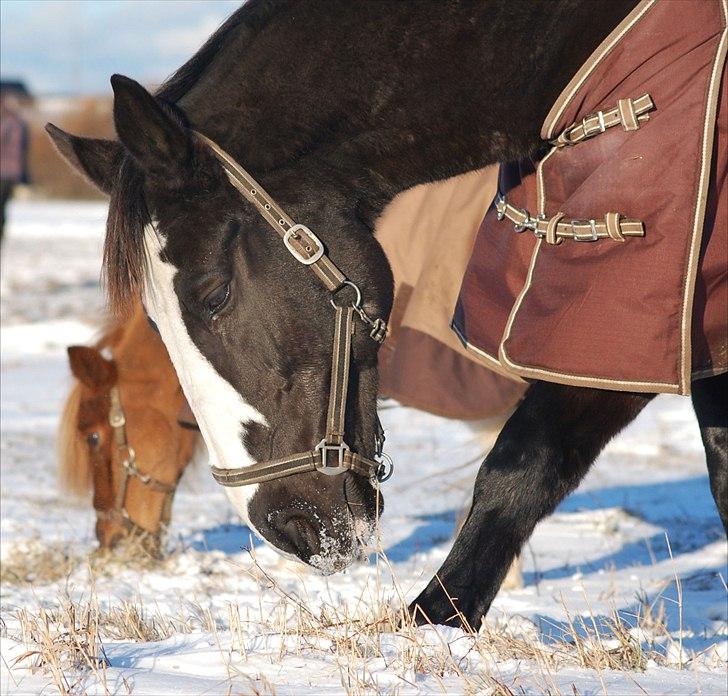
710,400
543,452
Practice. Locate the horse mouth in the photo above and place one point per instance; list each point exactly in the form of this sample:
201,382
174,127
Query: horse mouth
333,560
327,546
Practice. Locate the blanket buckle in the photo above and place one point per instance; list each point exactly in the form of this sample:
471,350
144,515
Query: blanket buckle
590,236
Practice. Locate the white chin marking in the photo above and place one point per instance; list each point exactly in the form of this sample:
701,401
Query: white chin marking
219,409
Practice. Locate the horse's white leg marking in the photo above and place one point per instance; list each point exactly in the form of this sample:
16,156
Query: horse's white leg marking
219,409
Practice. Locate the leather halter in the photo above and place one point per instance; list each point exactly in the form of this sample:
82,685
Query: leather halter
332,456
129,469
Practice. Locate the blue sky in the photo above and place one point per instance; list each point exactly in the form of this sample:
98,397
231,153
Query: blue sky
74,46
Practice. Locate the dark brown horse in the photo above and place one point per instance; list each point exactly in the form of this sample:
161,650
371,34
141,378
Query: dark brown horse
335,108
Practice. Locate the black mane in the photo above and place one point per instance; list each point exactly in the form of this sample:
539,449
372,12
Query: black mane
253,14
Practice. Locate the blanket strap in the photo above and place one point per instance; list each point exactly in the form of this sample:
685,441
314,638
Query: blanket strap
555,229
628,113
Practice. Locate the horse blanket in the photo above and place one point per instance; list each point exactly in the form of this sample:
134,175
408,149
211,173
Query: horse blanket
427,234
639,147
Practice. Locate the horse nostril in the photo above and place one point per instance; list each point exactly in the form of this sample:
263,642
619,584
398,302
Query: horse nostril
302,535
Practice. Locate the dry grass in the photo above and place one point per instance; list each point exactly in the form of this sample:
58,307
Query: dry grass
372,634
355,636
64,644
364,637
33,562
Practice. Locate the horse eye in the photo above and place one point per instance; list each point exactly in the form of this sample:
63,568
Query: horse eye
217,299
93,439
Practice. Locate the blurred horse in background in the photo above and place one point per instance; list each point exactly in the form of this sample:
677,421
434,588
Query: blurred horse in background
123,435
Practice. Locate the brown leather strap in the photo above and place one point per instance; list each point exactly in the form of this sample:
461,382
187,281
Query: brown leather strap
628,113
303,244
117,420
300,241
555,230
301,463
332,455
343,329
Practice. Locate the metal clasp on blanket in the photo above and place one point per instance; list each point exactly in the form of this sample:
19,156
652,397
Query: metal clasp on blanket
527,224
531,223
500,206
591,236
325,448
601,125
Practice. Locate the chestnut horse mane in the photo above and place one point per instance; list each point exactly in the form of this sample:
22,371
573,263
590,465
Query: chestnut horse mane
74,462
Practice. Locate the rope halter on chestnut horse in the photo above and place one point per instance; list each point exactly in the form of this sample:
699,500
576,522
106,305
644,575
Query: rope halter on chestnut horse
332,456
129,469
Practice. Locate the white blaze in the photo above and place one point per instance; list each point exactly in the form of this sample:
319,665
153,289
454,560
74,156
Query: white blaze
219,409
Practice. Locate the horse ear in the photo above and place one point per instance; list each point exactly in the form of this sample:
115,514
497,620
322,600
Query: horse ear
157,141
93,158
91,368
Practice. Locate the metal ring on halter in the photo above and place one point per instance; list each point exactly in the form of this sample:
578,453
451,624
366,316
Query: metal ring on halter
357,304
146,479
131,454
386,468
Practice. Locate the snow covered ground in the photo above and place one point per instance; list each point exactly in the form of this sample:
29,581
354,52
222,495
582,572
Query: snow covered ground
641,537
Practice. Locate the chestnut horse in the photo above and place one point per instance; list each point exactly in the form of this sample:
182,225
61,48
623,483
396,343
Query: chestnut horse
120,432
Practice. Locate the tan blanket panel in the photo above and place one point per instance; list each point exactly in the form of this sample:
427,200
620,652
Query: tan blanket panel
427,234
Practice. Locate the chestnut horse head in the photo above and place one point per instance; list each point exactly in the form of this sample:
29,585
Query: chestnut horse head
120,433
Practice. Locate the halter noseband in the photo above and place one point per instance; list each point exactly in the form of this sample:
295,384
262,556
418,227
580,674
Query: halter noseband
332,455
117,420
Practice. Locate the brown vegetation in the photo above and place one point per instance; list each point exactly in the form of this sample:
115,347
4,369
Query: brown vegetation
51,177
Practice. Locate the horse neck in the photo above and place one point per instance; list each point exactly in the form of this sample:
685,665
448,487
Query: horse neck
140,354
401,96
147,379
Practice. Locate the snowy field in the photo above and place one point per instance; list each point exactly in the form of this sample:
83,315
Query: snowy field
624,586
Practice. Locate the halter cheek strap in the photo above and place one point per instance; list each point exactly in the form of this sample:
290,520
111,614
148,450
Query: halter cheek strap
129,469
332,455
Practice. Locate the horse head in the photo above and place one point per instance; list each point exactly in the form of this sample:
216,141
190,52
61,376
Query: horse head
122,438
247,326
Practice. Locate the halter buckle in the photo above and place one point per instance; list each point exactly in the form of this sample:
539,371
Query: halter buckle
325,448
296,231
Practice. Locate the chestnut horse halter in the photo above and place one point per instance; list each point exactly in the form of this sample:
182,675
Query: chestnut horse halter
332,456
129,469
